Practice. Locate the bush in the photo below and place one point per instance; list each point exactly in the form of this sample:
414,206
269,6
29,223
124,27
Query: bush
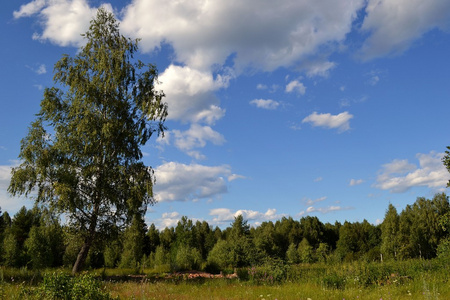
64,286
188,258
272,271
334,280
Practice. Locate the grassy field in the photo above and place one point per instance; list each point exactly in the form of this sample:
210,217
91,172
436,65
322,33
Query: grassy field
397,280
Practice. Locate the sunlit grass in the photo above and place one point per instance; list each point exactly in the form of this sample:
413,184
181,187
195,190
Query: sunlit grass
415,279
219,290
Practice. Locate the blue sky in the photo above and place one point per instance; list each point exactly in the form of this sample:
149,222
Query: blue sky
282,108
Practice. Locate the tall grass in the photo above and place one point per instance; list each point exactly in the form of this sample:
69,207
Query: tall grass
414,279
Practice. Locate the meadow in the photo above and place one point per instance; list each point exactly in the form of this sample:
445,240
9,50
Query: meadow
412,279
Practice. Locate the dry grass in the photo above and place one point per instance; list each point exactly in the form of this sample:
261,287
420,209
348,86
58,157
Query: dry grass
236,290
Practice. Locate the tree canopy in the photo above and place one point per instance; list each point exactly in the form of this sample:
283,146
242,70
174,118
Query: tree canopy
82,155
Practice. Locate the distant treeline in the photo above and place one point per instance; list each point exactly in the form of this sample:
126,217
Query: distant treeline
34,238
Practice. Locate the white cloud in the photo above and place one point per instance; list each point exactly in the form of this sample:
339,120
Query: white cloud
235,176
340,121
323,210
261,86
317,68
318,179
29,9
181,182
373,80
354,182
7,202
296,86
399,176
38,69
266,104
222,215
309,201
195,137
168,219
5,176
190,94
63,20
204,33
41,69
395,24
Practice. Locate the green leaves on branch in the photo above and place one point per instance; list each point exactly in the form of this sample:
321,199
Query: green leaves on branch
82,155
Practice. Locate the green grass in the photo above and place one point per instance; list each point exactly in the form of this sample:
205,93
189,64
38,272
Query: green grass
415,279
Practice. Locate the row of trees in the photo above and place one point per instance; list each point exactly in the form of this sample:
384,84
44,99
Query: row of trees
35,238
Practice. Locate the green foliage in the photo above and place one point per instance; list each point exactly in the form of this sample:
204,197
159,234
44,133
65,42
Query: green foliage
38,248
322,252
152,239
357,239
333,281
305,252
220,257
64,286
272,271
112,254
420,230
390,233
12,254
133,244
188,258
82,154
292,254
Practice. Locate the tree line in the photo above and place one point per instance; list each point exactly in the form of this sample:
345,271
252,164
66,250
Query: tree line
34,238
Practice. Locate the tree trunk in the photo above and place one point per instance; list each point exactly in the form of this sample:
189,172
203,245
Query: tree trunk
82,255
81,258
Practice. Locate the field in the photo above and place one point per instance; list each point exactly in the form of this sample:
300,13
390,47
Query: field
415,279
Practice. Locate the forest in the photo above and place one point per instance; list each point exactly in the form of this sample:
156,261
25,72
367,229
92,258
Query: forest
36,239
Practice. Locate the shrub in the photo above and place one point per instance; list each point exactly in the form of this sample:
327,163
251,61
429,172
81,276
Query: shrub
64,286
334,280
272,271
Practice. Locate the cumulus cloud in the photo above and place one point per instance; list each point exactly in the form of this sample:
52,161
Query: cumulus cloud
296,33
168,220
222,215
295,86
340,121
5,176
203,33
195,137
181,182
29,9
63,20
265,104
190,94
354,182
394,25
399,176
317,68
7,202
